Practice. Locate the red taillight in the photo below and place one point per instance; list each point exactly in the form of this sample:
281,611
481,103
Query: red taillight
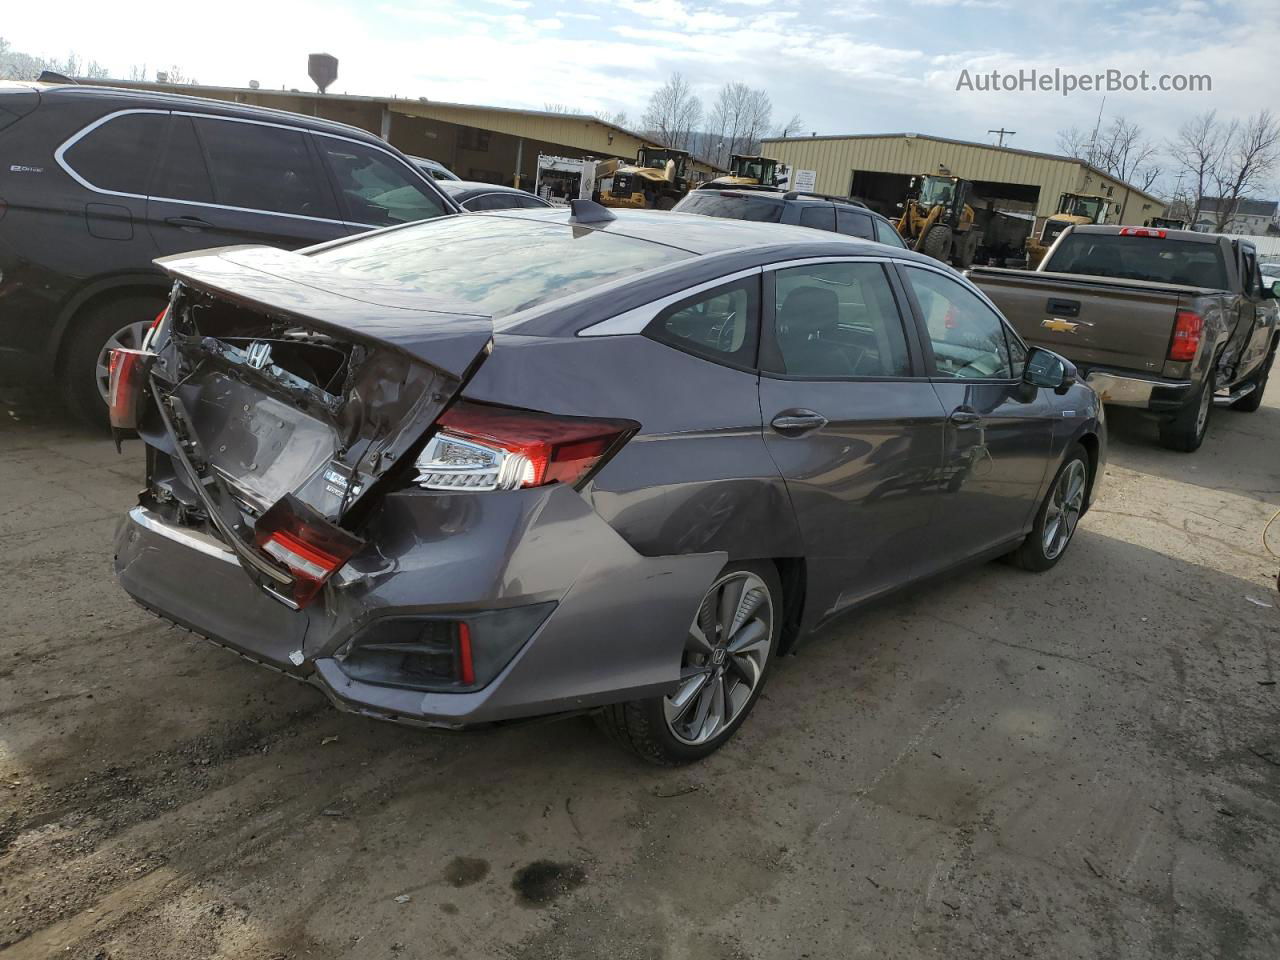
305,543
127,371
483,447
466,666
1187,328
1142,232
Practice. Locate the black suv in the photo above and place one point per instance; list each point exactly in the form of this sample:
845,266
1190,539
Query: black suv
816,210
97,182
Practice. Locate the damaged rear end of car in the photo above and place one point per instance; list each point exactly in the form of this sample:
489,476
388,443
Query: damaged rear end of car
322,498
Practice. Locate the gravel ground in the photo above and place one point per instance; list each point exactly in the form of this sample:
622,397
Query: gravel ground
1081,764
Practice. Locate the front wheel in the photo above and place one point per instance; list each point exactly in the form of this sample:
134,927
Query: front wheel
1058,515
937,243
731,644
1252,400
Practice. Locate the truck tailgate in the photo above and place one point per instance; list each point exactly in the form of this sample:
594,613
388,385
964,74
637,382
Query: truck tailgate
1094,321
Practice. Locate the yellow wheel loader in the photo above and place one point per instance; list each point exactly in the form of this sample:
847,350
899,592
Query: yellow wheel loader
749,171
1074,209
656,181
938,221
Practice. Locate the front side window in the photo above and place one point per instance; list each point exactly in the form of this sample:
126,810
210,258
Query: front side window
837,320
496,266
885,233
719,324
968,337
375,187
259,167
118,155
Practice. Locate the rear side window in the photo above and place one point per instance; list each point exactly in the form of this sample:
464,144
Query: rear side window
885,233
719,324
376,188
493,201
1140,258
853,224
818,216
117,155
182,174
731,206
261,167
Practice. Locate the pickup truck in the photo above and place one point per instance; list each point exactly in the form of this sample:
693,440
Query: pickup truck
1171,321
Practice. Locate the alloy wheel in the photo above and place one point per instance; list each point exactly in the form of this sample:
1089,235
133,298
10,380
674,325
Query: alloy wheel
129,337
1064,508
1206,401
724,658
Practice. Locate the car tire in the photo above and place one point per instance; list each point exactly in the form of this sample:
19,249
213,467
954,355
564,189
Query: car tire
1252,400
1063,504
698,718
1186,430
937,243
121,321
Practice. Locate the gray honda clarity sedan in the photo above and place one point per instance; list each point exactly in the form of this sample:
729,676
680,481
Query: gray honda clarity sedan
533,463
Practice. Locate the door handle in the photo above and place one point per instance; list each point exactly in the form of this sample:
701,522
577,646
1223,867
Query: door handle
960,417
793,423
188,223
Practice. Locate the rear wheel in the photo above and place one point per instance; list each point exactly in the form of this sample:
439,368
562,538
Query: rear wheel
730,646
1058,515
1252,400
94,333
1185,432
937,243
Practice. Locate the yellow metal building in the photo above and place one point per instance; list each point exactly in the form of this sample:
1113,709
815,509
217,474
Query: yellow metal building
876,167
491,144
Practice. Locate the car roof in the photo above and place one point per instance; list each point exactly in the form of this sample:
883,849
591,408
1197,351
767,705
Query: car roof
707,236
53,92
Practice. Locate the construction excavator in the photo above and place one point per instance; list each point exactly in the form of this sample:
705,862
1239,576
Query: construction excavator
656,181
1073,209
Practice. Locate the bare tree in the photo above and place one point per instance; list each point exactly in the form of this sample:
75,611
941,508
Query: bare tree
791,127
740,118
561,108
1197,152
673,113
138,72
1252,152
1120,149
617,117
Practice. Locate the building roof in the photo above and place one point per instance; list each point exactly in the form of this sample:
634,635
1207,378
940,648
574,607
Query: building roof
970,143
1244,207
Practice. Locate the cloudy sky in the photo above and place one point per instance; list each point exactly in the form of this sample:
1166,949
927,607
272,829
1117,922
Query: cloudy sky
855,66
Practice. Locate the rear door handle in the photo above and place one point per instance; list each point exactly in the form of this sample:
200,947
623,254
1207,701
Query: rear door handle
961,417
188,223
793,423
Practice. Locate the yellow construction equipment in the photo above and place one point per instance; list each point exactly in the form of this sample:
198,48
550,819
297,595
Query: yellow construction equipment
749,171
1073,209
937,219
656,181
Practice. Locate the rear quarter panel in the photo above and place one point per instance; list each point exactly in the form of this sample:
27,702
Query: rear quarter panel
696,478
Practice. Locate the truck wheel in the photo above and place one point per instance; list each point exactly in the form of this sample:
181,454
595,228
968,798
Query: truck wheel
1185,431
92,334
731,646
1253,400
1057,517
938,243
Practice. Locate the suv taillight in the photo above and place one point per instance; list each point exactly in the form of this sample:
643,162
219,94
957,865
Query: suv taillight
483,447
1187,328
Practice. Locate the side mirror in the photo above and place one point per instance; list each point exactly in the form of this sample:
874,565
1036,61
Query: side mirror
1044,368
1272,292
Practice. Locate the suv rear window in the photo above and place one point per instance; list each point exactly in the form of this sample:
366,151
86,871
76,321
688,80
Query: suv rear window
732,206
498,265
118,154
1141,258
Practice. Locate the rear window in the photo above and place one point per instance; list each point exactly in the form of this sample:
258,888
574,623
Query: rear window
497,265
731,206
118,154
1141,258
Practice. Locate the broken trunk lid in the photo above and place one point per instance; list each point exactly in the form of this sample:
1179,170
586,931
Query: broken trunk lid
268,423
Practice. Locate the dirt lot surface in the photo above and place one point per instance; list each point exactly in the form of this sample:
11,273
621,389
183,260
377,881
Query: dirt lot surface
1080,764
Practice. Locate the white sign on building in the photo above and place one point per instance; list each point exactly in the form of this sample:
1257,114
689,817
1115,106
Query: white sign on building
806,181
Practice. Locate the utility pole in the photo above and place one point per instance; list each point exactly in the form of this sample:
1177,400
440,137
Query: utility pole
1002,132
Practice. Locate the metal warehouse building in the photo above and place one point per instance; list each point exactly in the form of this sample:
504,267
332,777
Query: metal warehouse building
877,168
491,144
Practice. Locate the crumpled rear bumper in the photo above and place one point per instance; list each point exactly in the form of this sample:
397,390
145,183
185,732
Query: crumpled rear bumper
615,633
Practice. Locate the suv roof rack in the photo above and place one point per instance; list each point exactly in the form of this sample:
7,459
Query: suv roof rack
797,194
